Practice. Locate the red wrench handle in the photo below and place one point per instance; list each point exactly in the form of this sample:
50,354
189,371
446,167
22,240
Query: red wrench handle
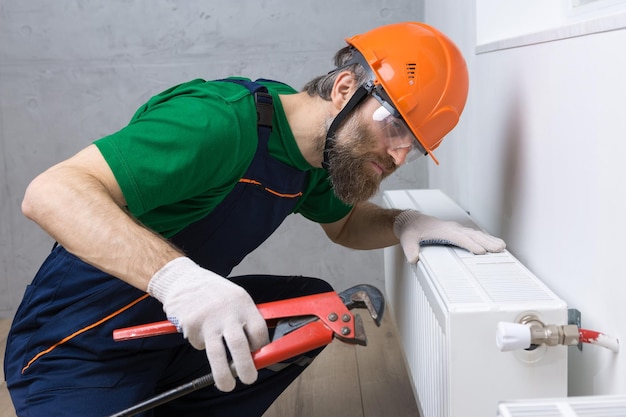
144,330
327,306
310,336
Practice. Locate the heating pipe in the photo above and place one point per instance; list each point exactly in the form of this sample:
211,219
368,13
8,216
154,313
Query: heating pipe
598,338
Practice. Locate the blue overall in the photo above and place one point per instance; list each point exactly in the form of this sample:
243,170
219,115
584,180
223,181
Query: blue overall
61,359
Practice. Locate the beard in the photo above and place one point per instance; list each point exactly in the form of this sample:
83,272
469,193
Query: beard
350,162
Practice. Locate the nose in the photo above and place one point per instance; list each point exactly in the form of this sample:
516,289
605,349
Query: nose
398,154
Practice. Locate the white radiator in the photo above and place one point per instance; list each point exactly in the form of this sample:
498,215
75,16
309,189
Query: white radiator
447,308
587,406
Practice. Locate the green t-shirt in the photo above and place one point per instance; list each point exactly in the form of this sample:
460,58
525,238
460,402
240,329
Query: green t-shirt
187,147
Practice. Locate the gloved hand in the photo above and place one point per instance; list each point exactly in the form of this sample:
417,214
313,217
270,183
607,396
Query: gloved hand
212,313
414,228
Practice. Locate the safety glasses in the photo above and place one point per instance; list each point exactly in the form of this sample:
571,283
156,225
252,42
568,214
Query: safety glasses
395,131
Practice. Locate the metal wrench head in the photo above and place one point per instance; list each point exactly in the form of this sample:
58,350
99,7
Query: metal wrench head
360,296
368,296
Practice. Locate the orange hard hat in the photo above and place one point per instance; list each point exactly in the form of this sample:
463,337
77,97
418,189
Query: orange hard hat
423,74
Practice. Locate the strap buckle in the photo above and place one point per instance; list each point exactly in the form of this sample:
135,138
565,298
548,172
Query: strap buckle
264,108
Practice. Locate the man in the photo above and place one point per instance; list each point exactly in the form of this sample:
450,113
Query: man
202,175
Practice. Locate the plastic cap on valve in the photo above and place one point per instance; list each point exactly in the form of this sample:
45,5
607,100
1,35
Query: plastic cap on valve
512,336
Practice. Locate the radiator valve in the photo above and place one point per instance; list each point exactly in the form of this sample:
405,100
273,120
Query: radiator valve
529,332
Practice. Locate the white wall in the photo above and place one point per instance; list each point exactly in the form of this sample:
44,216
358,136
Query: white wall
539,158
72,71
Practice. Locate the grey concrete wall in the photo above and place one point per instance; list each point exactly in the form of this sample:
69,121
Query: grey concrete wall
72,71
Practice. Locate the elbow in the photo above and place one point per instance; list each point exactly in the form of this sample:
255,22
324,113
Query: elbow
343,238
336,239
331,233
33,201
335,233
339,232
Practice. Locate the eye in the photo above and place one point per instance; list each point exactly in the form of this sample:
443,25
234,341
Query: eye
395,128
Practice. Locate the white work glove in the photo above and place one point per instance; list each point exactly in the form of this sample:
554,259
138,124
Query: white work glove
414,228
212,313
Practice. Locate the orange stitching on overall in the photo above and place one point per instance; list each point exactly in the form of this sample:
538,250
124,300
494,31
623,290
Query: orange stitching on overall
83,330
269,190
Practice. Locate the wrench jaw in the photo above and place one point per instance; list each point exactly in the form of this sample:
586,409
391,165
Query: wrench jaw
365,296
362,296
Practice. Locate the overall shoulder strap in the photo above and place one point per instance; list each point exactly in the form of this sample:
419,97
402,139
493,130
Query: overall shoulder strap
262,100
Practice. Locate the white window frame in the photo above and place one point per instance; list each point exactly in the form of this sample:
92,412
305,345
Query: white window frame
504,24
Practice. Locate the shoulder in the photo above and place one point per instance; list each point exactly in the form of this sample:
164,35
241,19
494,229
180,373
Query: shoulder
277,86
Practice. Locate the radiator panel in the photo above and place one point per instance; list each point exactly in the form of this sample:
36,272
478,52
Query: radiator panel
584,406
447,308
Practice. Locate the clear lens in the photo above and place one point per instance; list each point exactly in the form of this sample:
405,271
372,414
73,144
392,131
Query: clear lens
397,133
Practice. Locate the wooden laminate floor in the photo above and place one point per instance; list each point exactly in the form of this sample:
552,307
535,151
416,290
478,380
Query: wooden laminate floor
344,381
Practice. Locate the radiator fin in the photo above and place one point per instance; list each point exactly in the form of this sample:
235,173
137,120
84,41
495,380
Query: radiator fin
494,278
428,361
535,411
505,280
586,406
452,277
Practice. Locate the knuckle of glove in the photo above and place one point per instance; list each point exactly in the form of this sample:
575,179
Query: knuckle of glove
495,244
465,238
486,242
195,335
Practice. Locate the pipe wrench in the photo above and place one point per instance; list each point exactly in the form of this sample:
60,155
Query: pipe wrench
299,325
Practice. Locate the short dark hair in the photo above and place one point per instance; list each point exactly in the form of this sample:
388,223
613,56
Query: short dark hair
323,84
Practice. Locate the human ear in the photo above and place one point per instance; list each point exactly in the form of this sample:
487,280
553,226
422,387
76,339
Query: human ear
345,85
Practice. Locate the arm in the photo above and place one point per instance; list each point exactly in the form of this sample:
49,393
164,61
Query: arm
79,203
367,226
